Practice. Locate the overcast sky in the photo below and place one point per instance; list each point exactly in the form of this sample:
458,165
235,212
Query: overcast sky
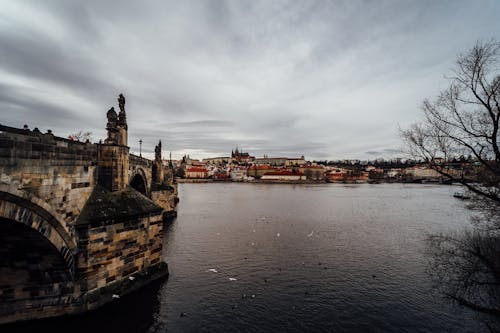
324,79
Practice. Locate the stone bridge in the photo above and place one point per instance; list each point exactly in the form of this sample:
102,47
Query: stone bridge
80,223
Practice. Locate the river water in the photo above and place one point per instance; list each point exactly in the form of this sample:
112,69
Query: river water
295,258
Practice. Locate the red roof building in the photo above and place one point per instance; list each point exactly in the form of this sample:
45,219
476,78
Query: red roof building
196,172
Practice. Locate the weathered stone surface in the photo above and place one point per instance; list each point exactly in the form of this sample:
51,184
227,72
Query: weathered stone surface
104,206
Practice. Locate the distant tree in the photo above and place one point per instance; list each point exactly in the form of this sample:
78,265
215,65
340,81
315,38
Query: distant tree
464,121
81,136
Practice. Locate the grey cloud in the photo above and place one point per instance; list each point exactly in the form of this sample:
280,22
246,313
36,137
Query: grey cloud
201,123
41,57
327,79
386,152
18,107
373,152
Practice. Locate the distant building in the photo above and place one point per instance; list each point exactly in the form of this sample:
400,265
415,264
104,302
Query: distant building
313,172
394,173
337,175
341,175
422,172
258,171
272,161
221,174
241,157
197,163
218,160
239,174
299,161
284,175
196,172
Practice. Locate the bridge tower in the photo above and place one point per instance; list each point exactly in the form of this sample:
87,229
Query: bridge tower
113,159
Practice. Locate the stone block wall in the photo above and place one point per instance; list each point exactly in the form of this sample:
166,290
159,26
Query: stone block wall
111,252
167,199
60,172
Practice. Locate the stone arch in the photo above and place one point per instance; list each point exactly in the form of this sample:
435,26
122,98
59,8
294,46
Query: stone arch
138,180
17,209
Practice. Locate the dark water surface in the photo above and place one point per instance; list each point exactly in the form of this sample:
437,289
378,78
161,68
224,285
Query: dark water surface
324,258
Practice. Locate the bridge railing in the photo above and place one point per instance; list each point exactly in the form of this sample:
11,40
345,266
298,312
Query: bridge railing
18,144
138,160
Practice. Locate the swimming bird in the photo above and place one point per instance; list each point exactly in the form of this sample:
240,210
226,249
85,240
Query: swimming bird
232,279
213,270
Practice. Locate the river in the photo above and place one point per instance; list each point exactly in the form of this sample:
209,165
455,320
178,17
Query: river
296,258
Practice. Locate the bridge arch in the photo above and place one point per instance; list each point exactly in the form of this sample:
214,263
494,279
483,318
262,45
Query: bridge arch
138,180
19,209
32,271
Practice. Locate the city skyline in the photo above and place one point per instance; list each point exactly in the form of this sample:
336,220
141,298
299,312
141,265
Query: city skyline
328,80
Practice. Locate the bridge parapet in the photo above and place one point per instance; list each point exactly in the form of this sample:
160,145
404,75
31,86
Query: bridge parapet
17,145
140,161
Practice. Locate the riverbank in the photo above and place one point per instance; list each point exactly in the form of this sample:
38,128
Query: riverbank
269,181
194,180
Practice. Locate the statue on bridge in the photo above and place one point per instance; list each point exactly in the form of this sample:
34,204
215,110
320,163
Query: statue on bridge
158,152
111,125
122,117
121,102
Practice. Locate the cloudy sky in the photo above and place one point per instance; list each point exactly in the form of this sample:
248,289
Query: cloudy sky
324,79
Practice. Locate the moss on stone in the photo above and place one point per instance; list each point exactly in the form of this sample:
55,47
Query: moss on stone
106,207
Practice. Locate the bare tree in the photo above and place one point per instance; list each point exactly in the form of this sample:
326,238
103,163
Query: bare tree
81,136
464,121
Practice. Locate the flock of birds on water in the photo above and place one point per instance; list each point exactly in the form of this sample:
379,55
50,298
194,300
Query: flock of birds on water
244,296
